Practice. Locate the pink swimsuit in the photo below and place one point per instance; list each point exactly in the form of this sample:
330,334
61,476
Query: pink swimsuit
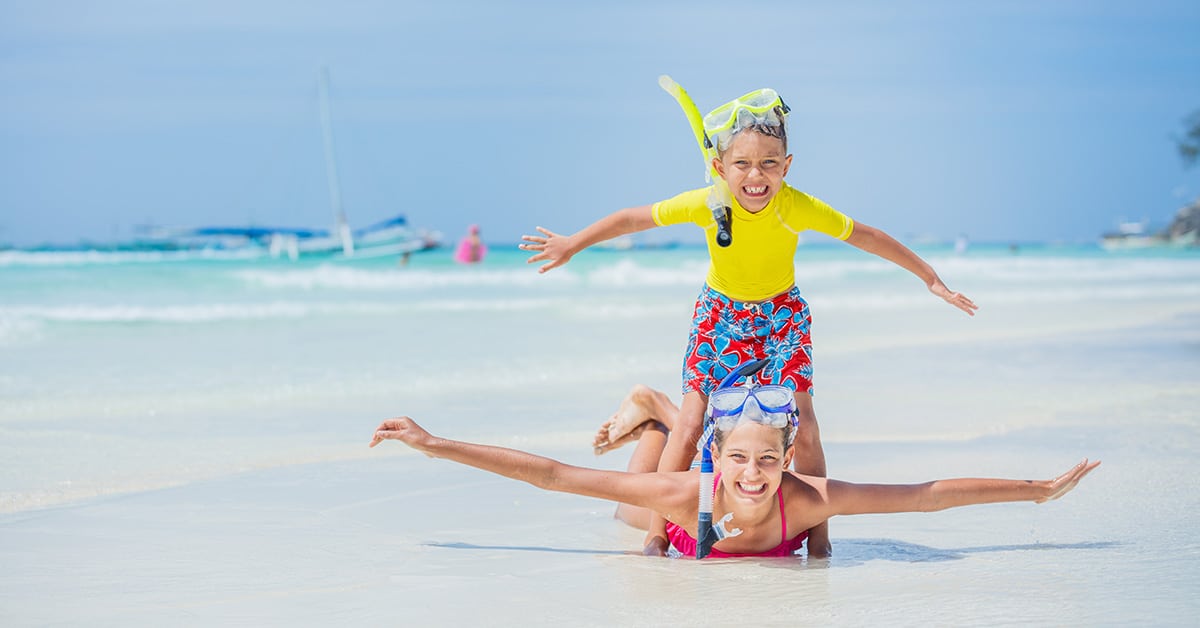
682,541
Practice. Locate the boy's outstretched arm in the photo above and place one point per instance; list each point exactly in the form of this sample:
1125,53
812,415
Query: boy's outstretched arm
877,242
850,499
557,249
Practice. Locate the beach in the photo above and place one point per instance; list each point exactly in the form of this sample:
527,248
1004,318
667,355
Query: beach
183,440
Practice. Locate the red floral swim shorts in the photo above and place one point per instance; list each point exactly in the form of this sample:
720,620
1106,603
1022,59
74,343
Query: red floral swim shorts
726,333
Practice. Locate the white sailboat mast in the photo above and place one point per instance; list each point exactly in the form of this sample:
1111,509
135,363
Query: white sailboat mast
341,226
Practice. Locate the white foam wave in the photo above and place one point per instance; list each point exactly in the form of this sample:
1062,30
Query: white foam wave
14,330
628,272
496,305
348,278
159,314
1026,294
89,258
21,321
1068,269
621,273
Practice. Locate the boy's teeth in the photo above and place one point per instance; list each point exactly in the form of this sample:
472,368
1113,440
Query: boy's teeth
757,190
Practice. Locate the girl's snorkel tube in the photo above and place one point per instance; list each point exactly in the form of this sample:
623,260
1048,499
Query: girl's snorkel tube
706,533
718,198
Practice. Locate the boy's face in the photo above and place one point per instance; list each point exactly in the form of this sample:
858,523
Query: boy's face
754,166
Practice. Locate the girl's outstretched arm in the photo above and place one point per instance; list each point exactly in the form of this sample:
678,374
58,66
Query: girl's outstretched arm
852,499
557,249
662,492
879,243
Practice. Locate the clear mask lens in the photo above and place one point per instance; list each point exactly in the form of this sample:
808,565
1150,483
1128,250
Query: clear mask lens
769,405
772,405
757,107
728,399
752,412
774,397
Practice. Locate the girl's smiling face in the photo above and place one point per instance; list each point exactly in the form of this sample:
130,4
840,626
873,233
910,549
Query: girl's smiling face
753,166
752,460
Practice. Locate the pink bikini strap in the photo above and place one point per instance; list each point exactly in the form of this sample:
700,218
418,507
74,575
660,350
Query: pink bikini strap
782,515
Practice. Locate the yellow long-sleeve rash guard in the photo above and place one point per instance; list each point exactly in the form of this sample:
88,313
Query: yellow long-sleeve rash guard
759,264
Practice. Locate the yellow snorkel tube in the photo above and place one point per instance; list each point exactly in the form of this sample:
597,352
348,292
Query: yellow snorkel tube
719,198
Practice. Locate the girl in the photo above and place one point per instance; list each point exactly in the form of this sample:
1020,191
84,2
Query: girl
766,508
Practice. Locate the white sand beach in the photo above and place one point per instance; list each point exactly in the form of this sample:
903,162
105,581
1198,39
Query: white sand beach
253,516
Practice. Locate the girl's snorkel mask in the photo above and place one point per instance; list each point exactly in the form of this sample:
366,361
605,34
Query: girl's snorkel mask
728,407
769,405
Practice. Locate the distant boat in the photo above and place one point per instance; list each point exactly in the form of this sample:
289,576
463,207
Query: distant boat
1131,235
392,236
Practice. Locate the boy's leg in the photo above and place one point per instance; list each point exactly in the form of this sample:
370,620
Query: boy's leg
642,405
678,456
810,460
645,459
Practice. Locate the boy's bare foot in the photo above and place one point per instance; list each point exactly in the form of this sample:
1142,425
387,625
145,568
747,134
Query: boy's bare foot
627,423
602,444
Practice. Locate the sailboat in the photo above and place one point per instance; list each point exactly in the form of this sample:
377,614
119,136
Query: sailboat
393,236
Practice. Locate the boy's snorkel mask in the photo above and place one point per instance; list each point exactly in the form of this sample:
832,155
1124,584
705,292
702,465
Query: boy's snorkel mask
759,108
730,406
763,108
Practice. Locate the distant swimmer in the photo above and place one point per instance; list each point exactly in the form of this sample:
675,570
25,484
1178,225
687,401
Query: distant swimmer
471,248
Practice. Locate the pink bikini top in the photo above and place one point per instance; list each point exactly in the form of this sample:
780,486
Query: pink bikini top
686,545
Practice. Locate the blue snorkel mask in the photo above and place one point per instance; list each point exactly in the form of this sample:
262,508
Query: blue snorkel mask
730,406
769,405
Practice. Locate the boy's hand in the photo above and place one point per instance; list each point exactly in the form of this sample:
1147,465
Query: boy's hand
553,247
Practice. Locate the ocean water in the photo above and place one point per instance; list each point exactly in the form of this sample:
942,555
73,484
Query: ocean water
122,374
125,371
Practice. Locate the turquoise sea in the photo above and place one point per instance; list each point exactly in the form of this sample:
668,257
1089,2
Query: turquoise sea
123,375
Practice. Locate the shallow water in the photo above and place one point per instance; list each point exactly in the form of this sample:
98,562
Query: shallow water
184,440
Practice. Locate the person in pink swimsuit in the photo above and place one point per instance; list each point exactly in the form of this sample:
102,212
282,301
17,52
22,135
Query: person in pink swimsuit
471,248
765,507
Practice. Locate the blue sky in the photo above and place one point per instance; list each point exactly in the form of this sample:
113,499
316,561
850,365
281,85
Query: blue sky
1024,120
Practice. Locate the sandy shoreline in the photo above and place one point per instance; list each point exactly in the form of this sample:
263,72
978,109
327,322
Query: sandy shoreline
400,538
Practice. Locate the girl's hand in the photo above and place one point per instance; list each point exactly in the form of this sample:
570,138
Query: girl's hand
957,299
402,429
553,247
1063,484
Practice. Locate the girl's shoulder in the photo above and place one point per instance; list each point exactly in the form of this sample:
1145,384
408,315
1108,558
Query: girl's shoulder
802,486
805,500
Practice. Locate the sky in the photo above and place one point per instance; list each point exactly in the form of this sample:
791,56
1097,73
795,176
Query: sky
1004,121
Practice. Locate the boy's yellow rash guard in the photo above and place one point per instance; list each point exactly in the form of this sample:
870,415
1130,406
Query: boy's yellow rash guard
759,263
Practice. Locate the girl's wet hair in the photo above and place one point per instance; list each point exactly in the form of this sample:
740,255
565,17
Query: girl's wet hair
786,433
